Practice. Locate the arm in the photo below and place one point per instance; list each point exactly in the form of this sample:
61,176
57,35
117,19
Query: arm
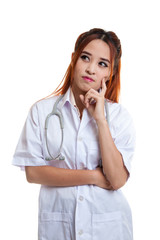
59,177
113,165
112,161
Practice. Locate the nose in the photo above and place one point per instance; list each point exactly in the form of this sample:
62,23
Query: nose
90,68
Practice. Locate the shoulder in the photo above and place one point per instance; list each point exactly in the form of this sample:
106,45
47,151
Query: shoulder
46,102
119,116
43,104
42,108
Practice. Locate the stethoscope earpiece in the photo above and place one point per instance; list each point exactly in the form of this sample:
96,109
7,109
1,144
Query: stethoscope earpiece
61,158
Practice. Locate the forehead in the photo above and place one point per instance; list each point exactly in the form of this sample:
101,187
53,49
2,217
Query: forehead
98,48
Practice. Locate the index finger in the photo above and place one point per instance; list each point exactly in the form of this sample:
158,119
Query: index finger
104,88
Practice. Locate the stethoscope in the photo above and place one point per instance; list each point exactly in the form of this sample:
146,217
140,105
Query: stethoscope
57,112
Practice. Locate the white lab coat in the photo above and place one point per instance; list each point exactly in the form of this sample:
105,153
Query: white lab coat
84,212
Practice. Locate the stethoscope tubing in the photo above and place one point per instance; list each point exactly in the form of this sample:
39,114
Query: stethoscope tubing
57,112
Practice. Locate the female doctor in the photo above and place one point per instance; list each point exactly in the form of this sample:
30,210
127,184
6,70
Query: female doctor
82,165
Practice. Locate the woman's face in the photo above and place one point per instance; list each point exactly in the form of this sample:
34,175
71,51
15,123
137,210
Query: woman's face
92,66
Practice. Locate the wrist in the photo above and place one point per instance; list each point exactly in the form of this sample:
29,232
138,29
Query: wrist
94,177
101,121
88,176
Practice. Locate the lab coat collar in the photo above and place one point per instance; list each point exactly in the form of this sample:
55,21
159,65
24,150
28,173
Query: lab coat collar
65,99
69,97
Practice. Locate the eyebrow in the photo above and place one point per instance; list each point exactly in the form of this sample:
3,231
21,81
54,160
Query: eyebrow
104,59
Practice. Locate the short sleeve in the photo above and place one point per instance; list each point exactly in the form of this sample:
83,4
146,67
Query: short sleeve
29,151
124,136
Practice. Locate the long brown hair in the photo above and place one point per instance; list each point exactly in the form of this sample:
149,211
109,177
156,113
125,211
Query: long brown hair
113,85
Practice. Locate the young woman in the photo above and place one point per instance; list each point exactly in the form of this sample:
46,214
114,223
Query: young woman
82,165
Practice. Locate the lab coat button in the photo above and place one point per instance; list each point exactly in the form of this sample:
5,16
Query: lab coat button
81,198
80,232
80,139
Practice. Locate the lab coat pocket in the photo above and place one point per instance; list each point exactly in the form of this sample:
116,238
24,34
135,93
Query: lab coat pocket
55,226
107,226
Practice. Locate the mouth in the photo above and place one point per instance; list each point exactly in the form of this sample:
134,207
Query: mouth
88,79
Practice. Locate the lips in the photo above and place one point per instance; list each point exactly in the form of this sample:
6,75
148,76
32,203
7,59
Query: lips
88,79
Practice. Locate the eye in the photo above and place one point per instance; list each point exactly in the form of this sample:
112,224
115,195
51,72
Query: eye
103,64
84,57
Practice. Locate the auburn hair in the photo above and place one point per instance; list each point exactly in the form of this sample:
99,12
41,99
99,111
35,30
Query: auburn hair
113,85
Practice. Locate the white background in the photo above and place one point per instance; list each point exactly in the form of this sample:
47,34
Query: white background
36,42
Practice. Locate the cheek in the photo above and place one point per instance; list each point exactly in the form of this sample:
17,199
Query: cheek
77,70
106,74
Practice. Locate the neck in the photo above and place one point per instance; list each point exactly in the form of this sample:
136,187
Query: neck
78,101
